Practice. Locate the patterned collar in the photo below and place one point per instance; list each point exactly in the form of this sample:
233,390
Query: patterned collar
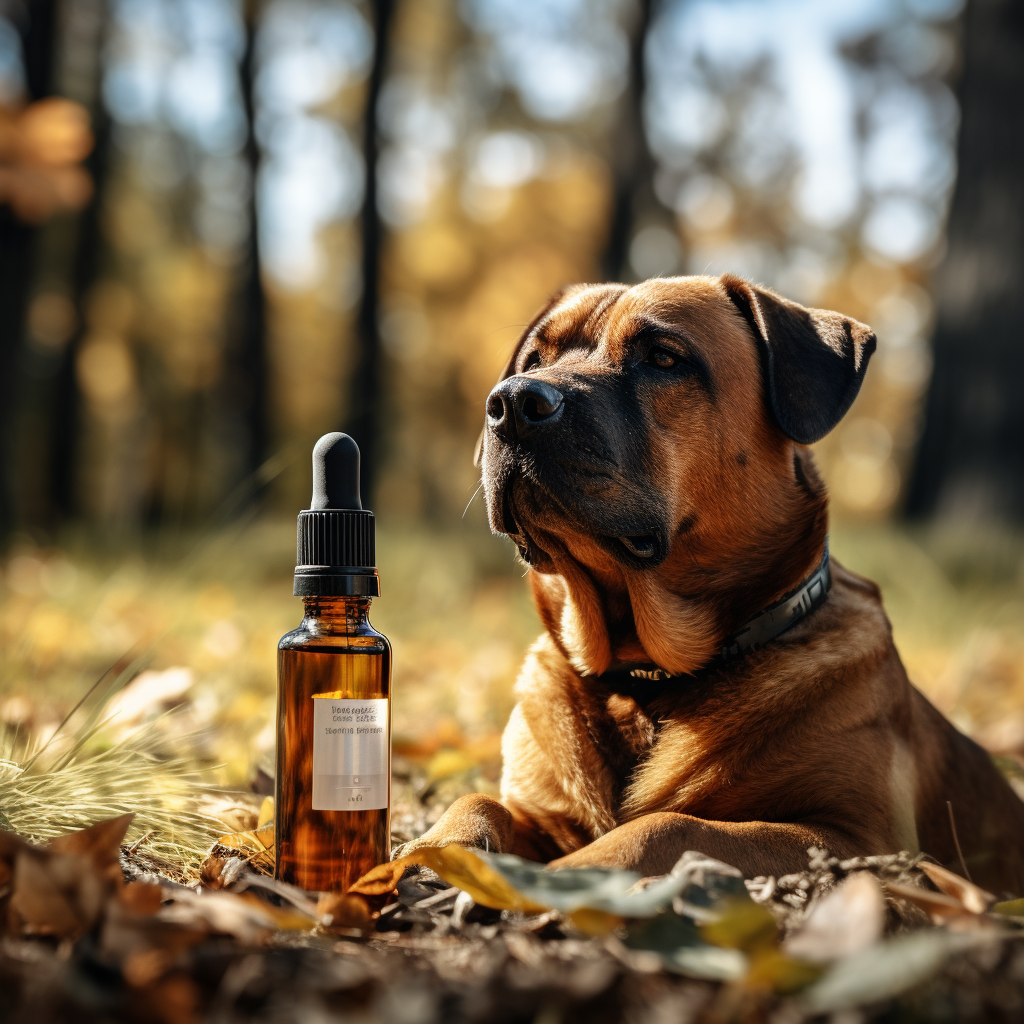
764,627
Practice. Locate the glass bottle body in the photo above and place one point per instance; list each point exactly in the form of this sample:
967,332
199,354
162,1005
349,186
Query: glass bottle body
334,661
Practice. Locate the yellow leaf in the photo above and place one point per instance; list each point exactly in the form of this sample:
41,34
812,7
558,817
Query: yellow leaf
448,762
595,922
458,867
744,925
1011,908
256,844
771,969
266,812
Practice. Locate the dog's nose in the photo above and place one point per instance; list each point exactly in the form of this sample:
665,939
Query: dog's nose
520,405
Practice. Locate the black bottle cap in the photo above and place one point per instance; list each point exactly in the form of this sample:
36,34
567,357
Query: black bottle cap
335,555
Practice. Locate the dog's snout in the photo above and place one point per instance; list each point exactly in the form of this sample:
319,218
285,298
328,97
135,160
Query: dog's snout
518,406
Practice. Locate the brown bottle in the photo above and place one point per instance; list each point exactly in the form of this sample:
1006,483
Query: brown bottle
333,783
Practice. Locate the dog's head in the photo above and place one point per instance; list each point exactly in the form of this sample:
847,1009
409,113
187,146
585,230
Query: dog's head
644,451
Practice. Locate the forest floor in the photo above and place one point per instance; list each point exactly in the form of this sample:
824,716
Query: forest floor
181,634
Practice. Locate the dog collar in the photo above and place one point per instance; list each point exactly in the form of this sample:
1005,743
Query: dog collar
764,627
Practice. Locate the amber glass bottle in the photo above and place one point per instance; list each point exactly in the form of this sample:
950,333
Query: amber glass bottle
333,781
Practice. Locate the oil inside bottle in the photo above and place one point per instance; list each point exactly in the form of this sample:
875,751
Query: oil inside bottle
335,661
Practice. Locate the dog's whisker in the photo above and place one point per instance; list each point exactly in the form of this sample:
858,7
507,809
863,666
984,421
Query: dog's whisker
479,488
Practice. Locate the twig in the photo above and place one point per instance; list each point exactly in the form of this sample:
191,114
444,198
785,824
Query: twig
956,841
138,842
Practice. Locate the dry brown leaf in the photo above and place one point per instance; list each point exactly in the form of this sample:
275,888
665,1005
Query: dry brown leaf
126,933
141,897
222,913
235,815
101,843
222,868
337,911
940,907
41,905
846,920
256,844
973,897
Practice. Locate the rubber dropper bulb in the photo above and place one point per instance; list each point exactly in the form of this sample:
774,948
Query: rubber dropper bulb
335,473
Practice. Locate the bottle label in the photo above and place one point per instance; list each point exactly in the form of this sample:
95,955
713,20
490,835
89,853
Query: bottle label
350,754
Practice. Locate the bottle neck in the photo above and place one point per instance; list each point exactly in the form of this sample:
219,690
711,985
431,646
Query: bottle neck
336,615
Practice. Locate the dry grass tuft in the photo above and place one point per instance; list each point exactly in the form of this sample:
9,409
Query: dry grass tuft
71,783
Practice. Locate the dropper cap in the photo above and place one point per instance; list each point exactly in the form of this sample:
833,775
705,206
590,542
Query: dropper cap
335,550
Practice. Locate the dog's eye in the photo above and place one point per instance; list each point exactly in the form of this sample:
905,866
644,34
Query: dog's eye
662,359
532,361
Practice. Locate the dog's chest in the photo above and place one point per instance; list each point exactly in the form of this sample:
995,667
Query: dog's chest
630,732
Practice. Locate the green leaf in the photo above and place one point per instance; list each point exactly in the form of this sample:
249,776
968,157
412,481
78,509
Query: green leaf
884,970
678,942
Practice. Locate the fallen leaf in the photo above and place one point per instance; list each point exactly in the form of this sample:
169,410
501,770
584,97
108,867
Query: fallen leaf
678,943
743,925
884,970
845,920
222,868
256,844
225,913
101,843
448,762
232,814
343,911
42,905
457,866
141,897
266,816
973,897
773,970
1010,908
940,907
150,692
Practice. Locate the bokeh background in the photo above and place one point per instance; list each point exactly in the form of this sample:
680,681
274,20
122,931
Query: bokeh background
229,226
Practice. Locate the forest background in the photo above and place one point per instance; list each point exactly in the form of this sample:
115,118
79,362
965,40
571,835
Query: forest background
229,227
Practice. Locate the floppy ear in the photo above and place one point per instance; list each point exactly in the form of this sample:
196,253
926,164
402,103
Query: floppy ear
478,451
813,360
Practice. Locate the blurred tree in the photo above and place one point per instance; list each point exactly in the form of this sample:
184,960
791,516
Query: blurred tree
36,28
632,164
246,371
83,46
970,463
366,379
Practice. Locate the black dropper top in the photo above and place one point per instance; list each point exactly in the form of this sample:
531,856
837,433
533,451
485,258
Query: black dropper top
335,536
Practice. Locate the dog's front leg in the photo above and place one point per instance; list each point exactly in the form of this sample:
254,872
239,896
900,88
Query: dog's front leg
480,822
652,844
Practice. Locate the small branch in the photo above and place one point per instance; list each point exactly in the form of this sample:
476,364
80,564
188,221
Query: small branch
956,841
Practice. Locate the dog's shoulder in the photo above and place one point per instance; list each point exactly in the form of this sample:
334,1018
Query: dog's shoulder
851,627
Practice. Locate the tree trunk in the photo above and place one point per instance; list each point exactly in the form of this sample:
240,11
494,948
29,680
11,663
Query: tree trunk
247,372
365,390
970,462
88,247
38,34
632,164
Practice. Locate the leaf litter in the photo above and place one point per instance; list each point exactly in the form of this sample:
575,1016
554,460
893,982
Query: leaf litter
96,928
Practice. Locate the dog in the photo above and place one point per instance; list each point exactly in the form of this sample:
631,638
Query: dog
708,678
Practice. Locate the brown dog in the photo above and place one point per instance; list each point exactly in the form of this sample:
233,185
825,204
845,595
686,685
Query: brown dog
646,451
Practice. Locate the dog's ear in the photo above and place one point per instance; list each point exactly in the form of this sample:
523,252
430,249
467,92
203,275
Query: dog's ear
478,451
814,360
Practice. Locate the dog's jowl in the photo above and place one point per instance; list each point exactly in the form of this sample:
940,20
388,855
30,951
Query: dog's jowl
708,679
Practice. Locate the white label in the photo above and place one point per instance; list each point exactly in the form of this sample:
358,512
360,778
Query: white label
350,754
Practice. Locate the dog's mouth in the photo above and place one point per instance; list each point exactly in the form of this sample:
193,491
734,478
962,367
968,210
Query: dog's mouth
637,550
529,552
641,545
